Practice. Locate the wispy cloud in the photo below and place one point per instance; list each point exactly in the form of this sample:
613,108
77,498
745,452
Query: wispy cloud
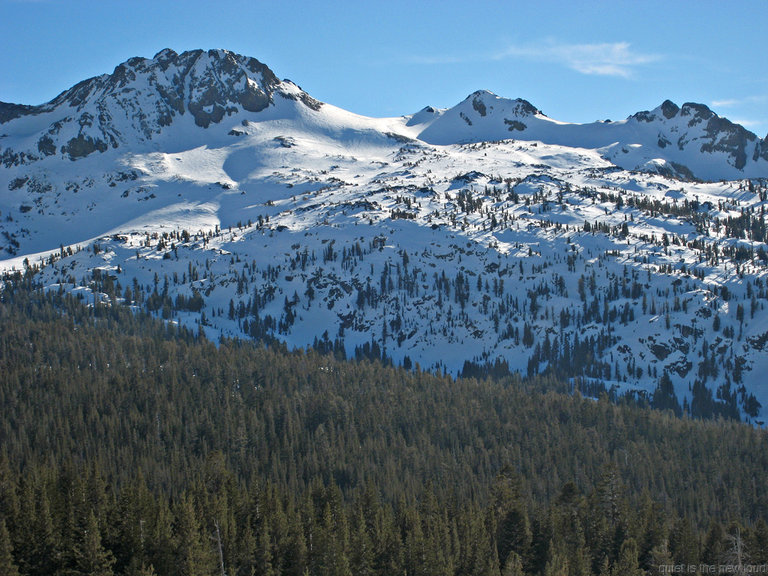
728,103
732,102
746,123
604,59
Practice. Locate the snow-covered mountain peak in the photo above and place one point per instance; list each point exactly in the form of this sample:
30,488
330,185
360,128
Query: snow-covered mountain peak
424,116
695,129
139,99
482,116
484,101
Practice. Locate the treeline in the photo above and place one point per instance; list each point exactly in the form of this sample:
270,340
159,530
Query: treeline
128,443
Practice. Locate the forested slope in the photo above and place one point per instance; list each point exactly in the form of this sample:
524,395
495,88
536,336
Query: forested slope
129,443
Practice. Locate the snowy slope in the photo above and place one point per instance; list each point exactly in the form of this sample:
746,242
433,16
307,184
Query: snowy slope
450,238
689,142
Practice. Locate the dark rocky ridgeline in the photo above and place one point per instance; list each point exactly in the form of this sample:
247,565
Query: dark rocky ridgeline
143,96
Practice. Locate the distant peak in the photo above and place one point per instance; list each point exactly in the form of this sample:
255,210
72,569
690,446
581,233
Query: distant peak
481,93
669,109
481,100
695,109
143,96
165,54
527,108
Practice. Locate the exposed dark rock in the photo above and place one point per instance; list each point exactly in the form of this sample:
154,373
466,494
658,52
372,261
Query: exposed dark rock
399,138
729,138
681,367
525,108
285,141
514,125
683,172
10,111
472,176
699,112
310,102
644,116
669,109
677,171
82,146
661,351
479,106
46,146
761,150
17,183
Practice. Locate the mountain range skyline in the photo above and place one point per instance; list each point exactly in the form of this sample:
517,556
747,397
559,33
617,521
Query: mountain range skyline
211,85
578,63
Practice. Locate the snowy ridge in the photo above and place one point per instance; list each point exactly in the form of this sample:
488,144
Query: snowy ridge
452,239
689,142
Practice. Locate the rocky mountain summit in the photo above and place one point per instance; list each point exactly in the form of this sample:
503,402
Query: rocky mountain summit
141,98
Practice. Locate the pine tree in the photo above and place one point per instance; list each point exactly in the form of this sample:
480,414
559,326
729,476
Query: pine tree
513,565
160,541
361,547
715,545
334,561
415,545
91,559
143,571
556,565
758,543
513,532
263,552
43,559
9,502
137,569
682,543
7,565
294,561
132,524
664,397
388,545
659,556
626,564
194,555
605,567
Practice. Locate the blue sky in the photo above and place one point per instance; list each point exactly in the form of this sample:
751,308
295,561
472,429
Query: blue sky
576,61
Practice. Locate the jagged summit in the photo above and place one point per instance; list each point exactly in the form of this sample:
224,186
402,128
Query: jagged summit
478,105
483,100
142,96
482,116
698,123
